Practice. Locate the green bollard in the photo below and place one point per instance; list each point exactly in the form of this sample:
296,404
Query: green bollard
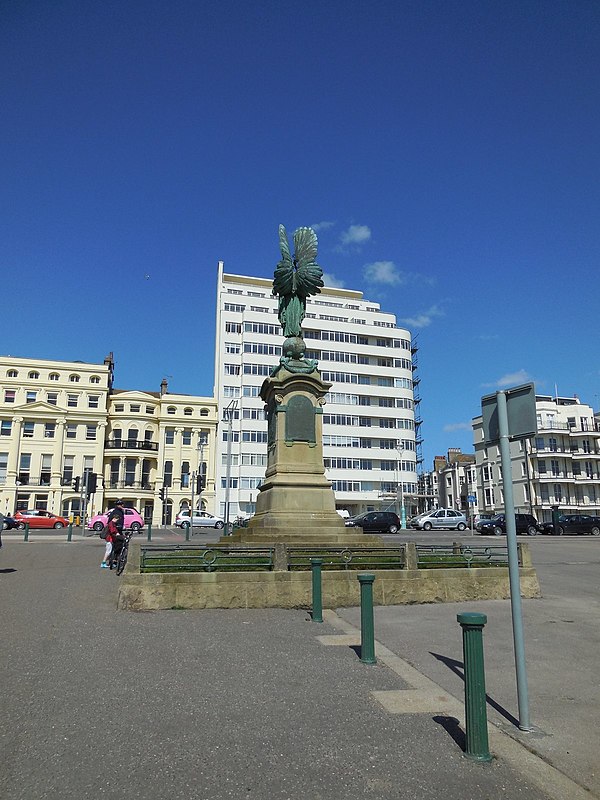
367,627
317,596
26,534
477,748
70,532
149,532
187,532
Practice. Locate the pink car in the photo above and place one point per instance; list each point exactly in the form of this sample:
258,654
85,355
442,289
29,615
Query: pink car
133,520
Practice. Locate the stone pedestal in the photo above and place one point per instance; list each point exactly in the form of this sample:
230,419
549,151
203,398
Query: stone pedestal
296,503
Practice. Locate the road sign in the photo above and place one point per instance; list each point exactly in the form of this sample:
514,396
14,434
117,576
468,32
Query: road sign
520,407
471,498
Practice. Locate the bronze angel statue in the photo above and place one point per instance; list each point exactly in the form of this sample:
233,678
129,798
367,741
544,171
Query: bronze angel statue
296,278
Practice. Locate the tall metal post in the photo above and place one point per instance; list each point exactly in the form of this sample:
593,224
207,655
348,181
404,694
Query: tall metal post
228,418
513,564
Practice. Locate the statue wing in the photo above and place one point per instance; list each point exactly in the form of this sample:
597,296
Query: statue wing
309,275
283,282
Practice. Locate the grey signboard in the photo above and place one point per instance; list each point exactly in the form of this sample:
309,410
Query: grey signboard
520,407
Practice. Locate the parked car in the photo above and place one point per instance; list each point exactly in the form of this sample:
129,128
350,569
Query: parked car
133,519
39,519
481,518
574,523
375,522
525,523
9,523
439,518
201,519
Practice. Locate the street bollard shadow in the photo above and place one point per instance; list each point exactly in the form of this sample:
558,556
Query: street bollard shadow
7,570
452,726
459,669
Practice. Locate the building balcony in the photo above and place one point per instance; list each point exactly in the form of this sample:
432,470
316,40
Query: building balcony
131,444
129,484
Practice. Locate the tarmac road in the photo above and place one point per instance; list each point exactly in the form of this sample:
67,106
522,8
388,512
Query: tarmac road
235,704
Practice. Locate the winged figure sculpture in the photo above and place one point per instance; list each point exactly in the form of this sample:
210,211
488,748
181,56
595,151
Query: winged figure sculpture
296,278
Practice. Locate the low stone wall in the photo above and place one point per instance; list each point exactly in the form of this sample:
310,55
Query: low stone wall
279,589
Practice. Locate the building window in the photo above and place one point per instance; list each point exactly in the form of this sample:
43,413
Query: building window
12,373
134,408
90,433
34,375
28,430
54,376
119,406
24,468
52,398
186,437
9,395
168,476
71,431
5,427
74,378
204,412
171,410
49,430
45,472
185,474
93,401
94,379
115,466
72,400
187,412
130,471
170,436
30,397
149,409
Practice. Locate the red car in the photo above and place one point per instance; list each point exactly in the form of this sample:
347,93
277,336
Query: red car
39,519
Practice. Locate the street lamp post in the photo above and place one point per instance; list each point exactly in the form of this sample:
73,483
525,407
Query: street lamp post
228,414
400,489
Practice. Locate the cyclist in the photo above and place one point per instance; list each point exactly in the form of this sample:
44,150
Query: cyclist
118,515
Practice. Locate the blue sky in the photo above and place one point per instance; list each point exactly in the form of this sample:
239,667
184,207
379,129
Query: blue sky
447,152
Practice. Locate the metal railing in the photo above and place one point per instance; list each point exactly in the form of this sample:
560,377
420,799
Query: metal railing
460,555
130,444
197,558
299,558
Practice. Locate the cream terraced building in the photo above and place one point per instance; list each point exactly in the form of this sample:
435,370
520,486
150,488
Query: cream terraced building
63,420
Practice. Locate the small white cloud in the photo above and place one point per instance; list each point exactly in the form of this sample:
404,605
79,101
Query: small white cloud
510,379
382,272
332,281
457,426
356,234
322,226
424,319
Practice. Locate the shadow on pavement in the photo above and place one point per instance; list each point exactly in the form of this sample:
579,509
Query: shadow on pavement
452,726
459,669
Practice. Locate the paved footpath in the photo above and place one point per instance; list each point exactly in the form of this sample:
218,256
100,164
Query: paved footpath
216,704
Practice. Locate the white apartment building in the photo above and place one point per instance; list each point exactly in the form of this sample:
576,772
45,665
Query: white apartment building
559,466
370,436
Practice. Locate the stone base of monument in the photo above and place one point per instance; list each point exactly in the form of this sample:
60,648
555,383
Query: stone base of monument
285,588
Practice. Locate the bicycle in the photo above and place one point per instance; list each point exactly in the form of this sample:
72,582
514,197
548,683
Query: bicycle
120,561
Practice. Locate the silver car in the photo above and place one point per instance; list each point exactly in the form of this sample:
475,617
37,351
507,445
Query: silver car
439,518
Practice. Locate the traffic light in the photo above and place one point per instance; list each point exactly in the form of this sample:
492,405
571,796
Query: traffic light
92,482
200,483
76,484
161,494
